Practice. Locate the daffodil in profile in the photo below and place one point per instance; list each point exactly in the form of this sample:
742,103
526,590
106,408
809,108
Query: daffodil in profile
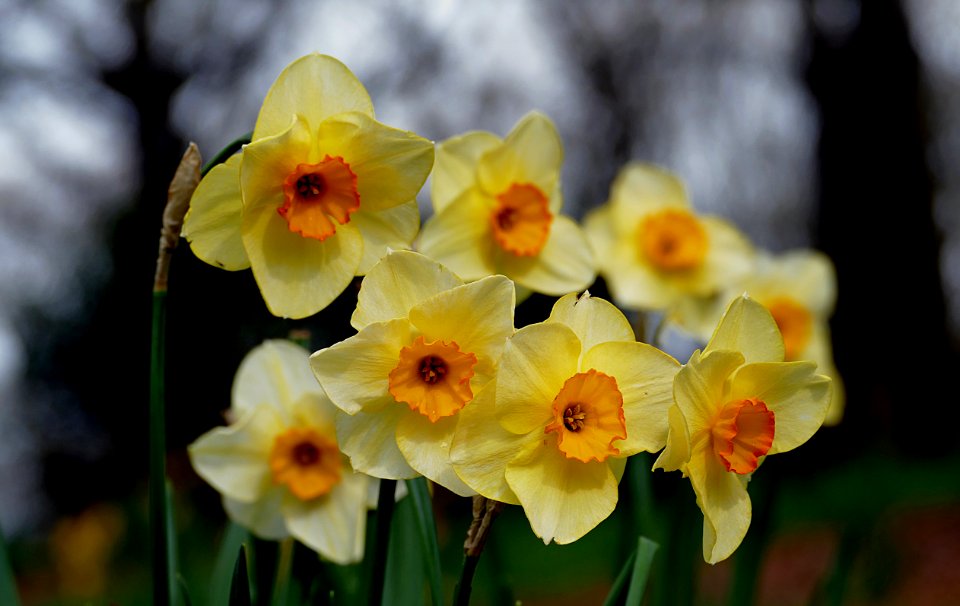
654,250
574,396
735,404
318,196
497,210
427,344
278,466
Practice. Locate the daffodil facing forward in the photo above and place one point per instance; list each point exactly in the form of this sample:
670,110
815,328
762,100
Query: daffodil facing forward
317,197
278,466
654,250
497,204
735,404
574,396
427,344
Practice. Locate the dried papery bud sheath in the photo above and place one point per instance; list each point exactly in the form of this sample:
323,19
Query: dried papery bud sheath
184,182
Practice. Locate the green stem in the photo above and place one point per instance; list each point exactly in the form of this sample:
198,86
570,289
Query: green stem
281,584
465,584
485,512
224,154
385,504
158,500
8,586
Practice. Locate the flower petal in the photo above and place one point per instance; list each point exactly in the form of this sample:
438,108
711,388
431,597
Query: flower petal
723,498
391,164
563,498
531,153
565,264
640,189
698,387
266,163
798,397
455,169
391,229
536,362
276,374
644,377
460,236
212,224
397,283
315,86
370,440
263,517
355,372
677,452
730,256
235,459
426,447
333,524
749,328
593,320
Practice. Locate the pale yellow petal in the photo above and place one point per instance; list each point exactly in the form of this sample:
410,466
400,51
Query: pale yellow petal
315,86
370,440
391,229
426,447
262,517
699,387
798,397
397,283
531,153
633,282
809,276
536,363
391,164
593,320
266,163
276,373
460,236
355,372
644,375
723,498
565,264
481,448
730,256
333,524
455,169
747,327
212,224
563,498
640,189
677,452
235,459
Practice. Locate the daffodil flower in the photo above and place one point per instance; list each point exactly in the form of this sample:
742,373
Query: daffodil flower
497,204
574,396
735,404
427,344
278,466
318,196
654,250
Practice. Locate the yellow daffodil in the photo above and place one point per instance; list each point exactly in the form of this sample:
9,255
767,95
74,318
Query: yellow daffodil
654,250
497,204
278,466
735,404
799,289
574,396
426,346
317,197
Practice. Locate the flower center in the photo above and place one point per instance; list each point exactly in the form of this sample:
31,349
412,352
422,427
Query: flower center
588,417
307,461
795,323
433,378
521,220
742,433
672,240
315,193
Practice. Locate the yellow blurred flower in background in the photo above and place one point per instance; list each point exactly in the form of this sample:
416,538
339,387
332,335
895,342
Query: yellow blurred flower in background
278,467
497,210
317,197
574,396
735,404
427,344
654,250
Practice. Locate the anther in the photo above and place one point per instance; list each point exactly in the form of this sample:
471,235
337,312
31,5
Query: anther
432,369
306,454
310,186
573,418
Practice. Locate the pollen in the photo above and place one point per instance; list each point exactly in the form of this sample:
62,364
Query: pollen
316,195
742,433
433,378
588,417
307,461
795,322
521,220
672,240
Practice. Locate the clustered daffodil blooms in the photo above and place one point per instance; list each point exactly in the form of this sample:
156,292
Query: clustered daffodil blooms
573,397
735,404
654,250
317,197
497,204
427,344
278,466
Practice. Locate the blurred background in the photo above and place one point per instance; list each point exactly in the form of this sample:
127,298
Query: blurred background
832,124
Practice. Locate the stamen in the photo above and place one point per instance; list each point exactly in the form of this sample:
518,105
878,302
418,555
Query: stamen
573,418
588,417
432,369
521,220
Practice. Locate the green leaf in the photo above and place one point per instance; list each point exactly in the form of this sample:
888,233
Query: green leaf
8,586
281,582
641,570
222,575
618,591
375,560
404,581
427,531
171,542
184,593
159,516
240,585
